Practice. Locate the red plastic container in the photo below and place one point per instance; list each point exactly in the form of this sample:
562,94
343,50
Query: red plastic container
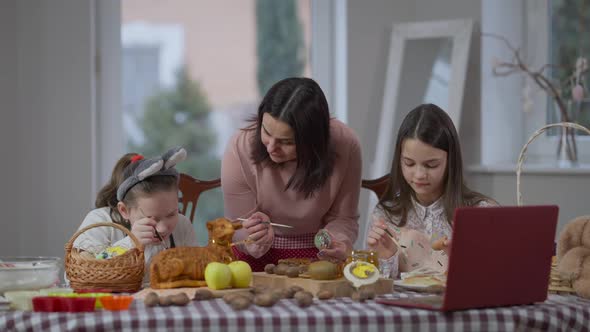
63,304
49,304
81,304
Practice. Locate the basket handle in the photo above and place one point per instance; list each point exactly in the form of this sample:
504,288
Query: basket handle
522,155
70,243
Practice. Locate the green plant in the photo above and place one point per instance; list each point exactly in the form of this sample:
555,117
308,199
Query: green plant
279,42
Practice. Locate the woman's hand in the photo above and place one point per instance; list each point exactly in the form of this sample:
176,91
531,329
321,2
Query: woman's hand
258,228
378,240
336,252
144,230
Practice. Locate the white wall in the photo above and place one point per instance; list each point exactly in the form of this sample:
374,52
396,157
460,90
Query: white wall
8,110
48,85
369,28
539,186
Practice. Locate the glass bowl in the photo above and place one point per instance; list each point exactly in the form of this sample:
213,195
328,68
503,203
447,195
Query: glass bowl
28,273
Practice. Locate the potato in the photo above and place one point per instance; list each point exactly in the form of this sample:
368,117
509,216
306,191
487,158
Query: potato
277,294
303,299
301,294
323,270
325,294
264,300
258,289
228,298
281,269
288,293
293,272
203,294
151,300
240,302
296,289
165,301
357,296
269,268
180,299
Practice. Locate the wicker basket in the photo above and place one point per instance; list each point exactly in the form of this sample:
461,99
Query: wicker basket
556,283
123,273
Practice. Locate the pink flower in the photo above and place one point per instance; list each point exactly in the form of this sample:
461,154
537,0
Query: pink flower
578,93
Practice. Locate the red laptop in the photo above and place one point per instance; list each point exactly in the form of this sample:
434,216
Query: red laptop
500,256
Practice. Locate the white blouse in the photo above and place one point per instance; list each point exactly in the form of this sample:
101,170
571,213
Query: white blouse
424,225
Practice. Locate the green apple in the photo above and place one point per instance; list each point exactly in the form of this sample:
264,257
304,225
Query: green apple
241,274
217,275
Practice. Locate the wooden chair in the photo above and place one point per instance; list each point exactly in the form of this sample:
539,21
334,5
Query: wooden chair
190,189
378,186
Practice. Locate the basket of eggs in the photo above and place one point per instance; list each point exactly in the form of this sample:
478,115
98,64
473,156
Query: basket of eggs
112,269
557,283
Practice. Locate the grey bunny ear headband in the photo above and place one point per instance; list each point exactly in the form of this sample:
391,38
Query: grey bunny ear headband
163,165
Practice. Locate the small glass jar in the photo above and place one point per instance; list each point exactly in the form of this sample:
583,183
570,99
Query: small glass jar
363,256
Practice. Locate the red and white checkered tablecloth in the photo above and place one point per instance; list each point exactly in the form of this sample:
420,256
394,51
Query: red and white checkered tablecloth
558,313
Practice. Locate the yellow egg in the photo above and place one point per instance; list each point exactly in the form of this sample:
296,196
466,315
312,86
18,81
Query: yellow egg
363,270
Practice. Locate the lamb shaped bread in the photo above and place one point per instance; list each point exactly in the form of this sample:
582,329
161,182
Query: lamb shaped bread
185,266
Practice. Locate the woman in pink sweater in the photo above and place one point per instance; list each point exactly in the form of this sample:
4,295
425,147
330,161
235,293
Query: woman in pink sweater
293,165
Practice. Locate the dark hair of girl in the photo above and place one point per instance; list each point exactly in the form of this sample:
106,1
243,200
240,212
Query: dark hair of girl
431,125
107,195
301,104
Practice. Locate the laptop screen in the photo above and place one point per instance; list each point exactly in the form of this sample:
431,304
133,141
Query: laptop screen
500,256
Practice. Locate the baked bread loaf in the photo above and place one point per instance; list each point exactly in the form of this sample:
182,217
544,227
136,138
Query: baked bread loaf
185,266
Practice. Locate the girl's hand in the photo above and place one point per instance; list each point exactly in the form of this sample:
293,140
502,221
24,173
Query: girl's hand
379,241
335,253
144,230
442,244
258,228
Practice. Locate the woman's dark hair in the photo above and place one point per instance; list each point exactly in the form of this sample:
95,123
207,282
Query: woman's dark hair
431,125
300,103
107,195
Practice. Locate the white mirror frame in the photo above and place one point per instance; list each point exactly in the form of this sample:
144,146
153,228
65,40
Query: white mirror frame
460,31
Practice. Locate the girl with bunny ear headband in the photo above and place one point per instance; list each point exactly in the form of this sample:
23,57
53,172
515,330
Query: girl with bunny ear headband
142,195
145,168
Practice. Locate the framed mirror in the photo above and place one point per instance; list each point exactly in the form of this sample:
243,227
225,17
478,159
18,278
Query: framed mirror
427,63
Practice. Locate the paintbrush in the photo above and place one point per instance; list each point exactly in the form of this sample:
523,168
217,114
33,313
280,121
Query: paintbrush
271,223
155,231
246,241
393,239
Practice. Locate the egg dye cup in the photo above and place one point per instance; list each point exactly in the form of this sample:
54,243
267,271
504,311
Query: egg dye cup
116,302
63,304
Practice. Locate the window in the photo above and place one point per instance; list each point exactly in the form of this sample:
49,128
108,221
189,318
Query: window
193,72
570,25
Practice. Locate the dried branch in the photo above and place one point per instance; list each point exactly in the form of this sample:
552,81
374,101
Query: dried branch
517,65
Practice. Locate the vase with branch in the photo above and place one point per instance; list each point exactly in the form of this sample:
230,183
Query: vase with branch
563,94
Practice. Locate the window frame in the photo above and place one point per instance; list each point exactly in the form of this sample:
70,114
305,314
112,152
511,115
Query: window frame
328,56
537,49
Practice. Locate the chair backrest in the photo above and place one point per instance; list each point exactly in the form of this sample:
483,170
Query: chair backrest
190,189
378,186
